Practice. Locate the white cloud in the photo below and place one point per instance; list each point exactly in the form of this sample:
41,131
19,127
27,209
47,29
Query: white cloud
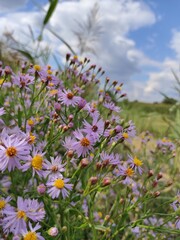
175,42
116,52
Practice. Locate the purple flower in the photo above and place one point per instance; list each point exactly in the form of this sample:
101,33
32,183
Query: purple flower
16,219
32,234
112,159
111,106
96,128
57,186
54,167
136,164
2,111
37,164
127,173
4,203
84,144
12,151
68,98
35,210
23,80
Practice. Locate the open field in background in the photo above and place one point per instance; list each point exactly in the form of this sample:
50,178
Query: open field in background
149,116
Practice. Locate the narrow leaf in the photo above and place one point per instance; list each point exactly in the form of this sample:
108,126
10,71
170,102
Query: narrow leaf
50,11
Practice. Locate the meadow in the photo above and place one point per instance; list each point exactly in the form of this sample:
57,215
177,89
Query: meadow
78,161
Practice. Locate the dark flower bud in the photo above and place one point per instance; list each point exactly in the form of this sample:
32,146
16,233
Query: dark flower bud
98,165
93,180
106,181
68,55
155,183
156,194
70,153
84,162
159,176
150,173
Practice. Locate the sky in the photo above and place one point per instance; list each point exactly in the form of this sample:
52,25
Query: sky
139,43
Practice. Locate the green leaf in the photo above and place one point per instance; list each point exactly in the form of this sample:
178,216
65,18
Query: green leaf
101,228
50,11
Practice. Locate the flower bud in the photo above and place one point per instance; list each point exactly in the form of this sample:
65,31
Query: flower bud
98,165
64,229
53,231
156,194
70,153
93,180
41,189
107,122
84,163
107,218
70,118
150,173
159,176
65,128
155,183
106,181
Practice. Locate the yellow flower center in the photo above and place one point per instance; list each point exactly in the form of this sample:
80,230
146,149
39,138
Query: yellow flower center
2,204
129,172
165,140
30,122
54,92
30,236
21,214
1,81
118,88
59,183
11,151
125,135
32,139
49,71
37,162
50,84
111,131
37,67
85,142
137,162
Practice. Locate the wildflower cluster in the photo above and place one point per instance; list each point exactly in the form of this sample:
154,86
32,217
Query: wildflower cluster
67,168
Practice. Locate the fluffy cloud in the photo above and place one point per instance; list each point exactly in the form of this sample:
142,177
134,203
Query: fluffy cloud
116,52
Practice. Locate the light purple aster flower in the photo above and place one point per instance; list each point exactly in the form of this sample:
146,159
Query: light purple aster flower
54,167
58,186
111,106
68,143
32,234
12,151
2,111
127,173
35,210
15,219
96,128
23,80
110,159
84,144
68,98
90,107
4,203
135,163
37,163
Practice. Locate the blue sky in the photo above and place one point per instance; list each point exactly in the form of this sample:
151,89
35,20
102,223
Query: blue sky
139,46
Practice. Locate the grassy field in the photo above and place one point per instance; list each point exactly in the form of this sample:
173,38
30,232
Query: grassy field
149,116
